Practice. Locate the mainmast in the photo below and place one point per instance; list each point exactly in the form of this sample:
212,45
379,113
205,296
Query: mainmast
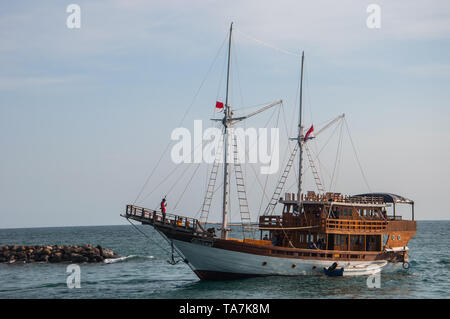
299,141
227,125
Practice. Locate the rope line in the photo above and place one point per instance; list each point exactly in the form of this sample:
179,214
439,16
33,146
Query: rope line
148,237
171,173
270,163
268,45
171,253
181,122
338,151
187,185
356,155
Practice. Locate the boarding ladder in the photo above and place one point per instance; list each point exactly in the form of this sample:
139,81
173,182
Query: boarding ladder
242,194
276,195
211,185
314,170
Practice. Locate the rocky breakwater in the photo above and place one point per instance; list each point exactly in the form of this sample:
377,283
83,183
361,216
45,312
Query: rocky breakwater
55,254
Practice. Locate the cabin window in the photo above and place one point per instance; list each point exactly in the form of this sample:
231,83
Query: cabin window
376,212
398,237
373,242
341,242
357,242
393,237
321,242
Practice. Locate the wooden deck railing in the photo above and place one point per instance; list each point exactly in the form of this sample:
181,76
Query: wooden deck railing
353,225
152,216
335,197
270,221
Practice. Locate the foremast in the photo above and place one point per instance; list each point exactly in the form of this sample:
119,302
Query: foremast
227,124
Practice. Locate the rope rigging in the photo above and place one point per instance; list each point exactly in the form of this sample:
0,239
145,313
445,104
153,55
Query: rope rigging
177,181
187,185
250,147
357,158
310,153
172,257
172,172
181,122
268,45
263,188
337,160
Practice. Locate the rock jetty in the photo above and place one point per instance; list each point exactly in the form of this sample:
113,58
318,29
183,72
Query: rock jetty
54,254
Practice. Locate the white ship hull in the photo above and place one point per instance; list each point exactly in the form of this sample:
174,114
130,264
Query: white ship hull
215,263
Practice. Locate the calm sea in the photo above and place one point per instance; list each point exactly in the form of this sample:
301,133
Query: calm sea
147,274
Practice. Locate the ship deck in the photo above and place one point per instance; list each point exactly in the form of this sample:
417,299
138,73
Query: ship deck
189,229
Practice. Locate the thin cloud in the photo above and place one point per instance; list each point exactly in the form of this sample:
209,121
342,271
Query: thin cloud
25,82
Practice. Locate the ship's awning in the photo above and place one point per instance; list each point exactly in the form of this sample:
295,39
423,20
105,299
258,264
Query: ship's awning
389,198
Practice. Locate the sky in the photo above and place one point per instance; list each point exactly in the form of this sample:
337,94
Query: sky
85,114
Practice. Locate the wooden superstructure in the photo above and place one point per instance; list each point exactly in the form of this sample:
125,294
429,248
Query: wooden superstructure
334,222
329,227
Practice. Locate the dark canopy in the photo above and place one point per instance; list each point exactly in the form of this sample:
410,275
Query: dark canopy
389,198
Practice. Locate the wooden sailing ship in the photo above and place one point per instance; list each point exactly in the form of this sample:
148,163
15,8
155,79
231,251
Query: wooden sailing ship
313,231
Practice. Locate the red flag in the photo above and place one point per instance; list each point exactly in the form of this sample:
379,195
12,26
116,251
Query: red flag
311,129
219,106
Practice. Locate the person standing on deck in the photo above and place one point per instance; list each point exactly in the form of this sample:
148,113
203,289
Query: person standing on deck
163,209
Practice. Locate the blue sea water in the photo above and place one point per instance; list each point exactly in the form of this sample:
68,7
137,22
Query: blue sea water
147,274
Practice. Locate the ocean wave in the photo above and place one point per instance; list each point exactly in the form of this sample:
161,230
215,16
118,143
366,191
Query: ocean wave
444,262
126,259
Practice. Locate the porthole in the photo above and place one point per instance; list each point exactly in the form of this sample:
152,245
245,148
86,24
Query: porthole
398,237
264,263
294,265
314,267
393,237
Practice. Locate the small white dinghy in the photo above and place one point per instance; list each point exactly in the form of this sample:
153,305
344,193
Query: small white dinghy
364,269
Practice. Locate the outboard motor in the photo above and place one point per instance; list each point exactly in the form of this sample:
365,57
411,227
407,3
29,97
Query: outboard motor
332,267
333,271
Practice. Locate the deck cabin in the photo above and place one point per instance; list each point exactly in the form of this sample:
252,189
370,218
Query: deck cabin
332,221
